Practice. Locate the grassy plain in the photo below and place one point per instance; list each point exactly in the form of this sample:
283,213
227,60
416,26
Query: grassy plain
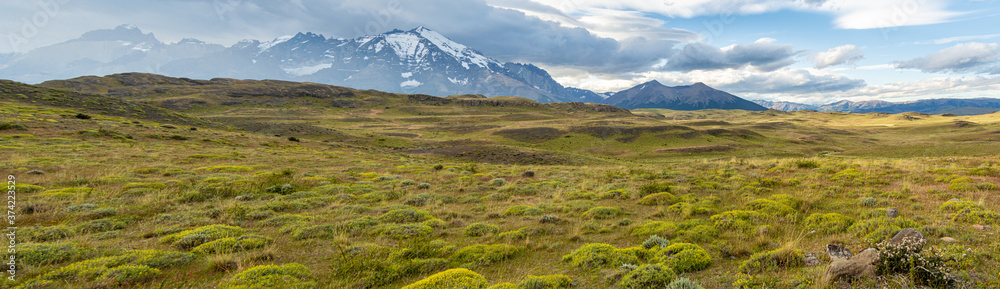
145,181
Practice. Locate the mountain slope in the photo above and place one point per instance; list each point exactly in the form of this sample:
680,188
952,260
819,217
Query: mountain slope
784,105
974,106
418,61
692,97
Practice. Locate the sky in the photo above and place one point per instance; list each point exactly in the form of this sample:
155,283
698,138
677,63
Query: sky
809,51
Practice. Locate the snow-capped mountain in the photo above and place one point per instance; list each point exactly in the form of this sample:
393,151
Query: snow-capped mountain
415,61
100,52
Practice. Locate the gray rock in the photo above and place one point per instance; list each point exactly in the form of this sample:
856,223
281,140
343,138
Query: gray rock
247,197
36,172
948,240
861,265
978,227
811,260
838,252
892,212
907,235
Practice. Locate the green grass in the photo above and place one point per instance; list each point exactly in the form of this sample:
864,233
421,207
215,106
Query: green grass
419,188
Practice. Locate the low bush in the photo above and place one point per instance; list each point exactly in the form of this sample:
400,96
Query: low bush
49,254
781,258
831,223
522,210
648,276
402,216
451,279
598,255
232,245
603,213
684,257
481,229
659,228
546,282
658,199
290,275
188,239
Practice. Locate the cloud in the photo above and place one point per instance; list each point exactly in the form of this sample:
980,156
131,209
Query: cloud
845,54
971,57
848,14
762,55
961,39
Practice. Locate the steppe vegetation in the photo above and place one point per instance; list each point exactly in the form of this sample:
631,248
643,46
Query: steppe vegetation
153,182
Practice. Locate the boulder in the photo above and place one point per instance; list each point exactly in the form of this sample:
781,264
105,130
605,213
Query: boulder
948,240
838,252
892,212
908,234
862,265
811,260
978,227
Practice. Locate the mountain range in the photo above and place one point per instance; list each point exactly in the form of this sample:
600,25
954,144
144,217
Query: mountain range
418,61
972,106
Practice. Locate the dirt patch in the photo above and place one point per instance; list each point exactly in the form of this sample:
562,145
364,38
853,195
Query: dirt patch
534,134
773,125
738,133
628,134
401,134
696,149
498,155
464,129
962,123
707,123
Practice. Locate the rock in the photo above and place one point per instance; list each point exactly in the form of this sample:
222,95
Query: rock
892,212
861,265
978,227
811,260
36,172
907,235
838,252
949,240
528,174
247,197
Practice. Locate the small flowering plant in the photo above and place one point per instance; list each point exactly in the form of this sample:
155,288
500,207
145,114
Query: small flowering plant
908,257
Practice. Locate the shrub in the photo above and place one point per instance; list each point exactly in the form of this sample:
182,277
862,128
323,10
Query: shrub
684,257
598,255
603,213
648,276
404,216
770,207
655,241
358,225
701,233
868,202
232,245
481,229
512,235
129,274
423,186
290,275
659,228
546,282
402,232
781,258
498,182
14,126
51,233
49,254
451,279
831,223
658,199
924,268
878,229
653,188
192,238
614,194
282,189
522,210
504,285
736,220
683,283
103,225
90,270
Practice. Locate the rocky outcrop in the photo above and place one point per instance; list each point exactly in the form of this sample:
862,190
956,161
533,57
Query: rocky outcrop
862,265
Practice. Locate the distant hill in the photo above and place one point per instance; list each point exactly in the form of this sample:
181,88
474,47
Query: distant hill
784,105
690,97
973,106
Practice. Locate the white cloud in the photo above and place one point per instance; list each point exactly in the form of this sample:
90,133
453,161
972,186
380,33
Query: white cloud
971,57
845,54
961,39
848,14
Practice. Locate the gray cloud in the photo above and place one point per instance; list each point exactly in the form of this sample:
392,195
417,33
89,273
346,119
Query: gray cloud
845,54
761,55
505,34
971,57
